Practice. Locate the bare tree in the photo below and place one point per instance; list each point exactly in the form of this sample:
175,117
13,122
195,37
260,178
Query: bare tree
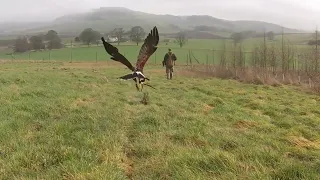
223,56
270,35
181,38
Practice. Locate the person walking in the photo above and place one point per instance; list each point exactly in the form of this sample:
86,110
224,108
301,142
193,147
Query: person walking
169,61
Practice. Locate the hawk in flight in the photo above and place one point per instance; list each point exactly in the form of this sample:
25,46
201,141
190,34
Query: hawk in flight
147,49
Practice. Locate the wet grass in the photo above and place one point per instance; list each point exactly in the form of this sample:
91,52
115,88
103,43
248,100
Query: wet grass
77,121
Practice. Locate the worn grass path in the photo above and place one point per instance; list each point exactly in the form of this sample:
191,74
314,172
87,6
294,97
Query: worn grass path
77,121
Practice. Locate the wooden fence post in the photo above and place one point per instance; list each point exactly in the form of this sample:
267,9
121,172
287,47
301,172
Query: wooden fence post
71,57
212,57
207,63
187,60
190,59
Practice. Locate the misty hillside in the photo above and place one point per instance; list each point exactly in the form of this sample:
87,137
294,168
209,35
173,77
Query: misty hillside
107,18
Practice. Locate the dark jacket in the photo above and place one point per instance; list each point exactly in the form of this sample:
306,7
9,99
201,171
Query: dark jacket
166,57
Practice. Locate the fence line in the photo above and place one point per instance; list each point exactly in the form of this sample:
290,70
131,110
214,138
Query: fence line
226,54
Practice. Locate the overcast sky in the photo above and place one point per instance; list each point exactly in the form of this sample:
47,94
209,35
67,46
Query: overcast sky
303,14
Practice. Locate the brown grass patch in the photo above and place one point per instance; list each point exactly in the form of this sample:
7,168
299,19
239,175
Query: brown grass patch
247,168
240,92
207,108
31,130
198,142
303,142
127,162
191,73
244,124
24,61
118,157
128,167
145,99
14,88
258,76
87,65
316,89
82,102
156,71
29,135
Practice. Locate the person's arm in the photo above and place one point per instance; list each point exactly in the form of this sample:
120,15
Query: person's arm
164,59
174,57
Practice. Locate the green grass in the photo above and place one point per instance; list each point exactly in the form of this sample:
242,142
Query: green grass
98,53
77,121
201,49
95,53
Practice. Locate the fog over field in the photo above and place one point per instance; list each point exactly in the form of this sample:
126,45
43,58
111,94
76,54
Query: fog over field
289,13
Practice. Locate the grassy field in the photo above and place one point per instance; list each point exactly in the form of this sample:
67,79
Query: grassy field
95,52
201,51
77,121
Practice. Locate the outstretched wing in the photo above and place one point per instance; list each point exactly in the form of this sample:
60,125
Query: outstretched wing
148,48
116,56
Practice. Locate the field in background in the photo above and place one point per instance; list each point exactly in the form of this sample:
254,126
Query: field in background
200,51
94,52
77,121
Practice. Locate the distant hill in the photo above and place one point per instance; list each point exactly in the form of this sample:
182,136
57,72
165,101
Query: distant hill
107,18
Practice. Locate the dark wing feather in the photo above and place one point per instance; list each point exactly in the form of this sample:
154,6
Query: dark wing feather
128,76
116,56
148,48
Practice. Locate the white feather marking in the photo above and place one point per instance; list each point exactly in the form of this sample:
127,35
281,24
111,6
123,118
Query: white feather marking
138,72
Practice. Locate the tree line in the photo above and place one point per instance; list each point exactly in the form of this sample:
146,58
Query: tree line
88,36
136,34
50,40
238,37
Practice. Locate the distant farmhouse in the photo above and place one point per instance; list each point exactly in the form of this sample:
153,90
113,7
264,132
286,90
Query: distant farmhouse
112,39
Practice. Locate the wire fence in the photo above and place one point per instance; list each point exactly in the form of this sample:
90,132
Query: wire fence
186,56
291,60
223,52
